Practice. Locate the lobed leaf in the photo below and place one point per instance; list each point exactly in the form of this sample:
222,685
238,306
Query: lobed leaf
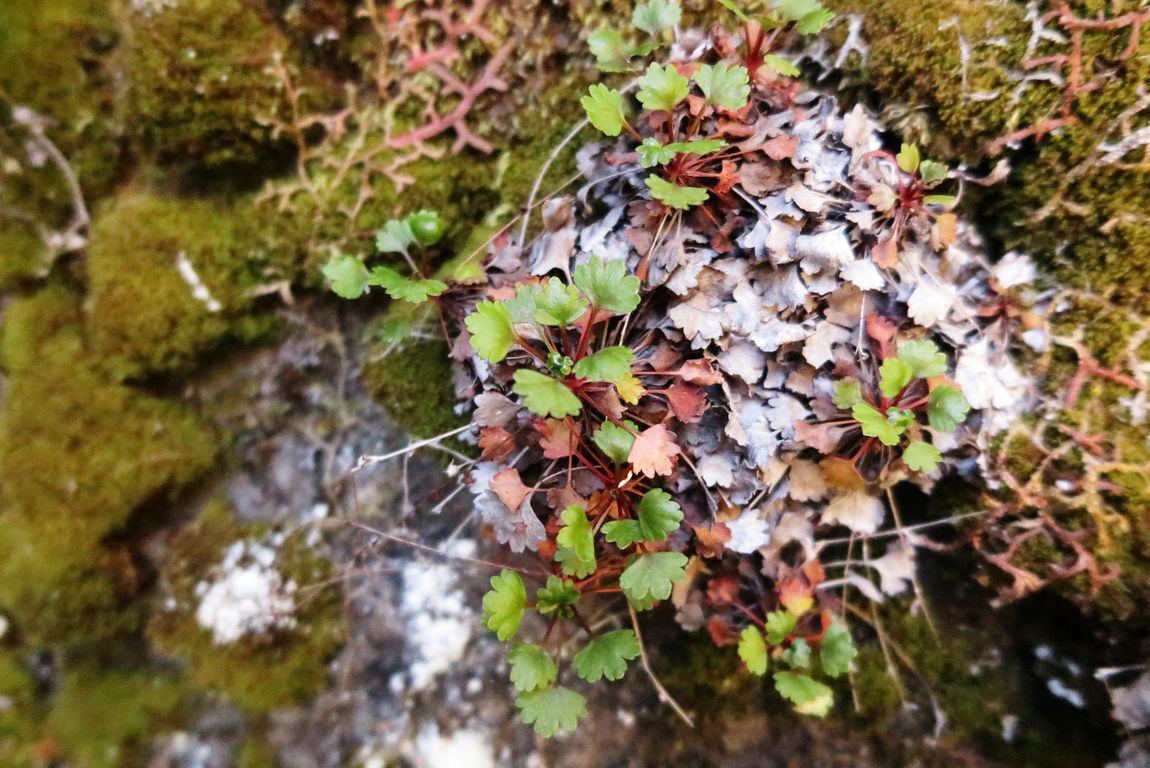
931,172
674,196
558,304
604,108
908,158
780,624
394,237
348,276
655,16
837,650
724,86
544,395
615,441
662,87
404,288
607,285
606,656
576,542
551,710
608,364
504,605
781,65
923,357
651,576
875,424
531,667
947,408
492,335
847,393
894,375
753,651
556,595
921,456
809,697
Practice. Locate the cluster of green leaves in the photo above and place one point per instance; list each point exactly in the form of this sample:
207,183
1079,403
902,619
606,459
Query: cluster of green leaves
779,645
350,278
808,16
927,174
655,19
892,416
598,287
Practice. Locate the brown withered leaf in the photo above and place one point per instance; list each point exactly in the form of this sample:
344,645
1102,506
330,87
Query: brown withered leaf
700,372
509,488
687,402
721,632
841,474
723,590
555,439
758,178
497,444
781,147
945,231
824,438
493,410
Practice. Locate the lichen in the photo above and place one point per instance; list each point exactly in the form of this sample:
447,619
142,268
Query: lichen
258,672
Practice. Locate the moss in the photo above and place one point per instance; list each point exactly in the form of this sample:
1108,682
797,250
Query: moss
200,83
80,456
141,311
258,673
19,719
22,255
414,384
106,718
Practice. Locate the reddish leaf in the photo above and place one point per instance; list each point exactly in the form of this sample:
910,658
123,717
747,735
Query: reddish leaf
547,549
758,178
700,372
654,451
721,632
814,572
555,439
728,177
880,329
723,590
608,401
687,401
497,443
782,147
509,488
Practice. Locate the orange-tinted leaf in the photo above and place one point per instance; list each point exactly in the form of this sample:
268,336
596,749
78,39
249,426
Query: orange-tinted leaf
841,474
509,488
721,632
795,596
879,328
824,438
945,230
654,451
555,439
712,540
885,253
723,590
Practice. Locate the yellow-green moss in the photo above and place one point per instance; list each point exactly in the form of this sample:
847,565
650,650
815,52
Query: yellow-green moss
199,82
106,718
80,456
258,673
141,312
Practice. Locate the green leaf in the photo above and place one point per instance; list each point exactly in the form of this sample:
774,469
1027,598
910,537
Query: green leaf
730,6
403,288
921,456
395,329
908,158
604,108
810,15
551,710
900,418
662,87
557,303
615,441
781,65
798,656
940,200
557,595
947,408
724,86
611,52
608,364
521,306
658,515
923,357
894,375
847,393
814,22
348,276
606,656
931,172
576,542
492,335
655,16
652,153
608,285
531,667
622,533
652,575
544,395
674,196
426,227
875,424
837,649
395,236
808,696
780,624
753,651
504,605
